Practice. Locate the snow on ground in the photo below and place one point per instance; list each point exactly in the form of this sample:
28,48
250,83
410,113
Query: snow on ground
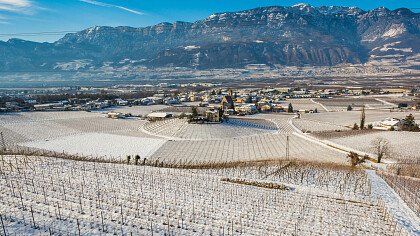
395,30
403,144
181,129
304,104
307,125
191,47
348,118
405,216
249,148
138,110
341,104
101,145
63,197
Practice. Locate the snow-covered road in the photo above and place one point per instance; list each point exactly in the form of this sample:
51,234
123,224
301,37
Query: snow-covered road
405,216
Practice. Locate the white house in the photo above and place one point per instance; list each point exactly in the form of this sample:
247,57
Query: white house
390,123
158,116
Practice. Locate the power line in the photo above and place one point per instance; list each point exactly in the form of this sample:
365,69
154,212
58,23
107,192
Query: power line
37,33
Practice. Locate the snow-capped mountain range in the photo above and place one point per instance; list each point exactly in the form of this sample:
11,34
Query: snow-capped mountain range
297,36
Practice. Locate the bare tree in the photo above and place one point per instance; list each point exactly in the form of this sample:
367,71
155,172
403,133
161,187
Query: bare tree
382,148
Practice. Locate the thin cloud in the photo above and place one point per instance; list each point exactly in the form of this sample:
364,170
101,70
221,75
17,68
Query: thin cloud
3,20
15,5
102,4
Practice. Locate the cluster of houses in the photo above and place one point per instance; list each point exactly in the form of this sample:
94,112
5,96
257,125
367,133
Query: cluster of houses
242,101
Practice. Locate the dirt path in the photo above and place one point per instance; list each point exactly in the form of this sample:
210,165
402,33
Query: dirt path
325,108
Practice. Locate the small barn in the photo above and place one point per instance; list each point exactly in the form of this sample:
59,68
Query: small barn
156,116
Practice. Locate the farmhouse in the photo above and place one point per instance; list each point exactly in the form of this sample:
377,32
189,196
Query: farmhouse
115,115
213,116
390,123
158,116
247,109
278,108
122,102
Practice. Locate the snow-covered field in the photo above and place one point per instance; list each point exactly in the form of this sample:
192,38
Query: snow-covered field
264,193
348,118
307,125
402,144
111,146
250,148
341,104
84,133
258,137
47,196
304,104
139,110
180,129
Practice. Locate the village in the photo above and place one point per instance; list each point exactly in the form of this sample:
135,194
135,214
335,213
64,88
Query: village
214,104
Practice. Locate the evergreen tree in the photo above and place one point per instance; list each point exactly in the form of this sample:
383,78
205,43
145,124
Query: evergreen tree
290,108
194,112
249,99
349,108
363,118
409,124
136,159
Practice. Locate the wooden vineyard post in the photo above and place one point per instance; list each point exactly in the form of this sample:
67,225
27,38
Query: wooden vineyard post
102,221
3,143
59,212
2,225
78,226
33,218
122,220
395,228
182,220
151,227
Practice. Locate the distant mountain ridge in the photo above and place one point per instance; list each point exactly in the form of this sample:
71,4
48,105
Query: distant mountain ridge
292,36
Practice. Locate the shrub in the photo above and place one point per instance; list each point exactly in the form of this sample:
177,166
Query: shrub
355,127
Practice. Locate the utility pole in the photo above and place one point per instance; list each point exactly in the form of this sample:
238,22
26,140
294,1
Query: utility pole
287,148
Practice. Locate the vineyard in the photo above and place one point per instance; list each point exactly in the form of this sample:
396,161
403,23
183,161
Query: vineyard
341,104
348,118
250,148
108,146
49,196
403,145
408,188
180,129
67,173
307,125
173,141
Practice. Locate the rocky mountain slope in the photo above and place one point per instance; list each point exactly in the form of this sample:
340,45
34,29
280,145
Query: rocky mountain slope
298,35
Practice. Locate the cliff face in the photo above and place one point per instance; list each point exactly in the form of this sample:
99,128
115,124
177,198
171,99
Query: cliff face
298,35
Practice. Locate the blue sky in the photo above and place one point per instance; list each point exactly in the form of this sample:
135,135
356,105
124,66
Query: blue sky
27,16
